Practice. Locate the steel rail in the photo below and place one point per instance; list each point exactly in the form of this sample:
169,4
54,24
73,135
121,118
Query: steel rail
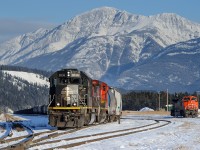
98,134
113,136
23,143
7,133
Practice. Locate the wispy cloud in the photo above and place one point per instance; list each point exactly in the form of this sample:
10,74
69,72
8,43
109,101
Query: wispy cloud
11,28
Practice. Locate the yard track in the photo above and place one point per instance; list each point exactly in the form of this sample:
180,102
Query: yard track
105,135
8,132
56,134
27,141
23,142
8,125
19,143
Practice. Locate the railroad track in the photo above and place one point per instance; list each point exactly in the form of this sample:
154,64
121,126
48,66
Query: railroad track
56,134
28,141
8,132
23,142
53,135
7,126
18,143
21,137
81,140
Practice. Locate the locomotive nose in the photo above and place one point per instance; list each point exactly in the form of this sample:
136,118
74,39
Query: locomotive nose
70,95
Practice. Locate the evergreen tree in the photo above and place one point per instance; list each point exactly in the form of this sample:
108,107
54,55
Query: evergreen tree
17,94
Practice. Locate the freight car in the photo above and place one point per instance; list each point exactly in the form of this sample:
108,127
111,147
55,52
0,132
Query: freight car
76,100
41,109
186,107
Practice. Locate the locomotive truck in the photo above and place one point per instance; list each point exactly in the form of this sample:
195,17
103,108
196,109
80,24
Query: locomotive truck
76,100
185,107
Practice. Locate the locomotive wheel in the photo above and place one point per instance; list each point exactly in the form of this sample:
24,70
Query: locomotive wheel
196,114
87,119
93,117
52,120
61,128
102,117
79,121
112,118
118,118
172,113
182,113
186,115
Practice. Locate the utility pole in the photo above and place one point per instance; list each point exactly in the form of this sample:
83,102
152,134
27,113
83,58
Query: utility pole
159,100
198,95
167,100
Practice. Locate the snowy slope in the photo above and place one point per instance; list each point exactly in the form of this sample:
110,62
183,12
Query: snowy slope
22,90
29,77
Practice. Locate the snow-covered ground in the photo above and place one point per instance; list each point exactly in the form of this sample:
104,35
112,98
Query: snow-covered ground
30,77
182,134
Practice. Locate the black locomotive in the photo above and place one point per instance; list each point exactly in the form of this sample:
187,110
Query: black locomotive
76,100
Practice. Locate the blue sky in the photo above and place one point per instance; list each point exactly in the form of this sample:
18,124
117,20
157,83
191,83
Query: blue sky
22,16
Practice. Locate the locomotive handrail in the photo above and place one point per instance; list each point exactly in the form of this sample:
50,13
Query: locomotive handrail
50,103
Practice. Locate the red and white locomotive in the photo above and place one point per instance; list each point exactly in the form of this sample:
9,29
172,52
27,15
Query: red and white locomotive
76,100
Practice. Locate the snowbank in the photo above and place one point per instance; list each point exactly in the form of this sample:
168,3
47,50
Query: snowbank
146,109
2,118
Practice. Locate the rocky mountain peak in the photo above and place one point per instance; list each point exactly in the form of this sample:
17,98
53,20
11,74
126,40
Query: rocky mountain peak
103,42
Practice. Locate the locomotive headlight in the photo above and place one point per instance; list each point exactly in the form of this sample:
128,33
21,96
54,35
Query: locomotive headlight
68,73
74,104
58,104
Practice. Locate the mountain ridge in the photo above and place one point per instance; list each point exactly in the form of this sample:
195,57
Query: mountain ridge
57,38
176,69
104,42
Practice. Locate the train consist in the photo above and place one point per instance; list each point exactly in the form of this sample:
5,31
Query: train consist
76,100
186,107
41,109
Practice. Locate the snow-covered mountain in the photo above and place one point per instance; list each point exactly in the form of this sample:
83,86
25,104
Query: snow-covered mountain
105,42
177,68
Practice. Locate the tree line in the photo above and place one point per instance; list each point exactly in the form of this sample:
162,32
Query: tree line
136,100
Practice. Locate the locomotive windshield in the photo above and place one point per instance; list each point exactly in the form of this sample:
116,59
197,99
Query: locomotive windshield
186,99
69,77
194,98
69,80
